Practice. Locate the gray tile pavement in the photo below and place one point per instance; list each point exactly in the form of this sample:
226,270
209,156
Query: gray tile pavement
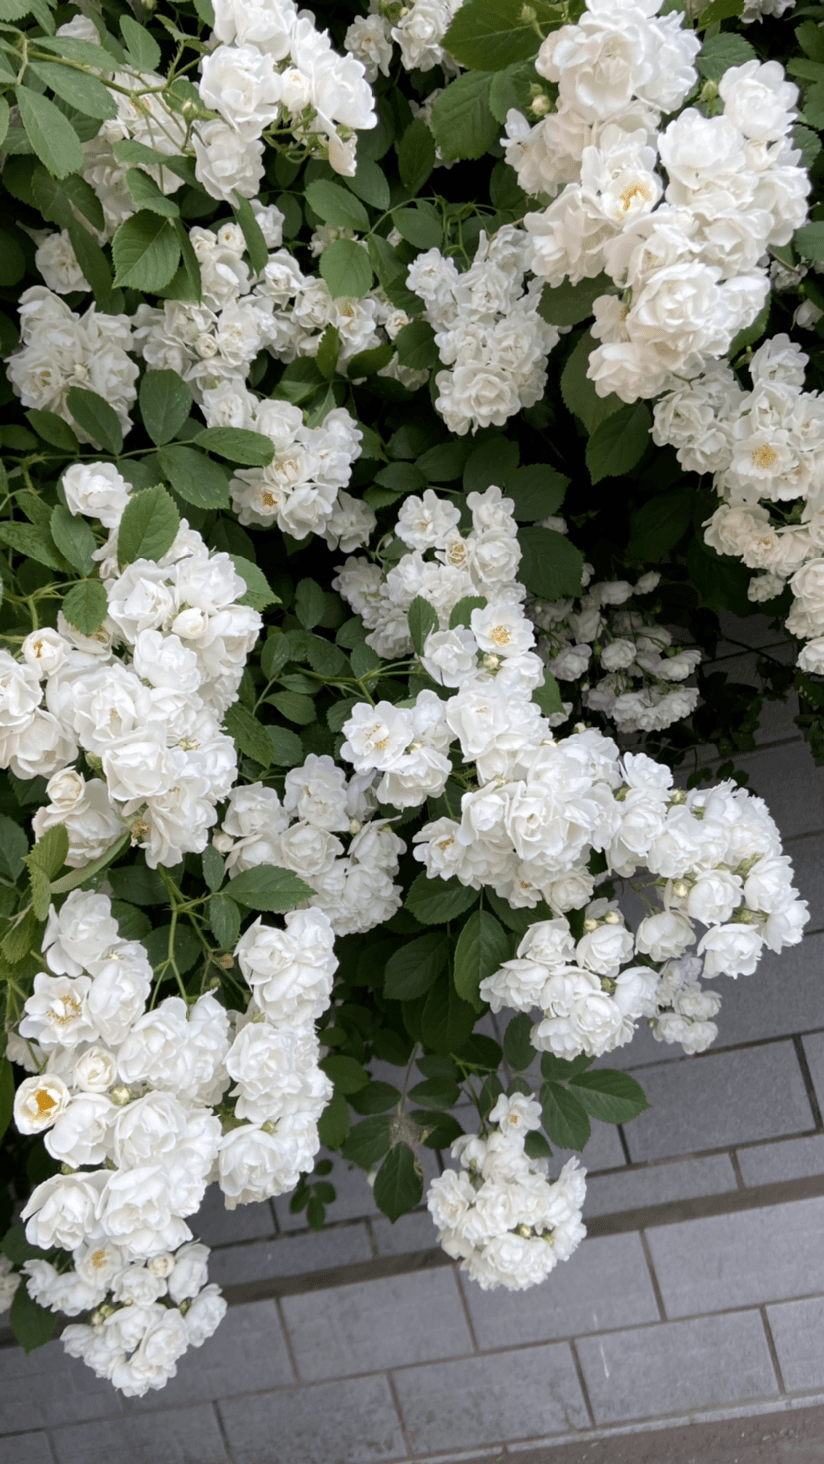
177,1436
715,1100
519,1394
784,995
604,1284
291,1255
385,1323
412,1232
793,787
351,1422
658,1184
798,1333
744,1259
354,1197
26,1448
814,1053
48,1387
698,1364
247,1354
215,1225
785,1159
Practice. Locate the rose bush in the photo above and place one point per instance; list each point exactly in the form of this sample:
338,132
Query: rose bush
309,334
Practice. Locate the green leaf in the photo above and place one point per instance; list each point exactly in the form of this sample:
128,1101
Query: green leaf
252,449
376,1097
809,241
561,1069
49,853
658,525
12,260
86,606
326,356
148,527
719,10
749,334
53,430
810,38
310,603
619,443
165,403
256,245
83,92
565,1119
398,1183
415,966
4,119
434,901
249,734
286,747
462,119
186,283
808,141
482,946
31,1323
294,706
550,566
194,476
146,251
462,612
487,35
368,1141
22,938
142,47
97,418
73,538
518,1049
609,1095
415,344
422,619
548,696
6,1094
435,1093
337,206
92,261
185,946
814,105
213,871
333,1124
420,226
14,846
266,887
31,541
347,1075
259,595
537,491
50,133
511,90
416,156
566,304
146,194
138,883
224,920
346,269
493,462
722,51
78,877
132,924
370,184
578,392
447,1020
68,47
370,362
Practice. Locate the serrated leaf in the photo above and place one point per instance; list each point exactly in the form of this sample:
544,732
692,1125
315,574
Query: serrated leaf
488,35
50,851
194,476
337,206
657,526
398,1183
719,10
415,966
376,1097
249,734
53,430
370,184
346,269
422,619
213,869
548,696
722,51
809,241
334,1122
259,594
83,92
31,541
494,462
77,877
561,1069
252,449
142,47
310,603
370,362
447,1020
518,1049
148,526
419,226
5,114
294,706
146,252
286,747
551,566
434,901
416,155
327,353
146,194
73,538
435,1093
97,418
132,924
368,1141
415,344
566,304
165,403
86,606
482,946
22,938
14,846
462,119
537,491
610,1095
619,443
50,133
462,612
224,920
578,391
565,1119
347,1075
256,245
92,261
267,887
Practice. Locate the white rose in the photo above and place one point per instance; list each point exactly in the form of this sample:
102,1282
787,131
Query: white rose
204,1315
730,950
713,897
62,1210
96,490
190,1272
664,936
39,1101
81,1132
45,651
227,160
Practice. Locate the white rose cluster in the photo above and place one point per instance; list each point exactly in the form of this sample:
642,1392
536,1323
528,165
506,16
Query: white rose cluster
352,886
418,29
766,450
680,219
628,667
271,65
489,333
144,700
499,1214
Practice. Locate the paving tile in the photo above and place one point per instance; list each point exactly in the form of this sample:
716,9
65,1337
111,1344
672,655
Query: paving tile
246,1354
27,1448
173,1436
355,1422
291,1255
605,1283
49,1387
411,1232
807,855
814,1051
215,1225
718,1099
787,778
743,1259
785,1159
677,1366
658,1184
753,630
388,1322
491,1399
782,996
354,1197
798,1333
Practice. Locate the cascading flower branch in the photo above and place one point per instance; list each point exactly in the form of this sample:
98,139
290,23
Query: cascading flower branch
325,736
